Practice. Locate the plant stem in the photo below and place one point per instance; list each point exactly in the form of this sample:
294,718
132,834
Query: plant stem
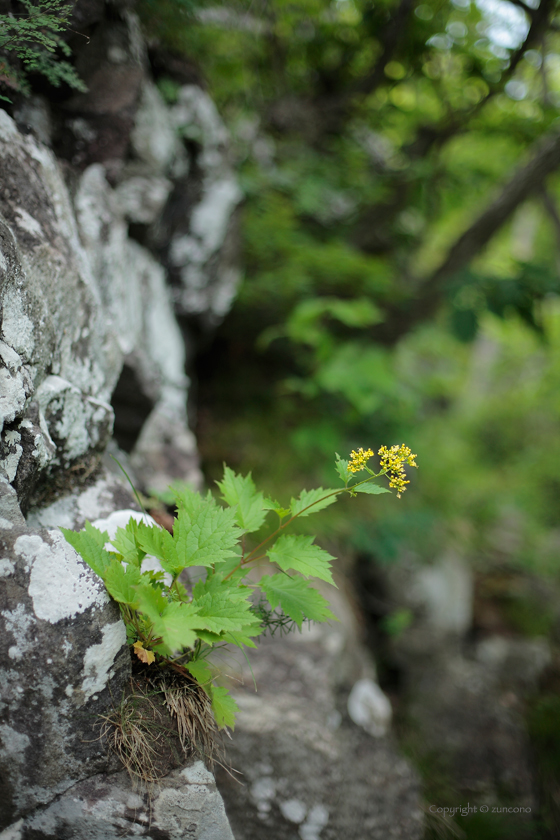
249,558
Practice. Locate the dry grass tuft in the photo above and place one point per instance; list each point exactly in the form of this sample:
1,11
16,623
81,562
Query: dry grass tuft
164,718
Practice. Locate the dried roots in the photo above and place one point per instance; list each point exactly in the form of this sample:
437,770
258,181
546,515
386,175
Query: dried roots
164,718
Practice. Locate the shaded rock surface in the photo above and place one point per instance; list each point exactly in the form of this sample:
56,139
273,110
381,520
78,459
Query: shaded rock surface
93,357
185,804
308,771
63,656
462,689
117,251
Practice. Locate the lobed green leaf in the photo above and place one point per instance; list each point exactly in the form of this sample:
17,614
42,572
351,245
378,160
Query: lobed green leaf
296,598
270,504
299,554
89,544
314,500
341,466
224,707
158,541
370,488
205,534
240,492
126,543
201,672
121,583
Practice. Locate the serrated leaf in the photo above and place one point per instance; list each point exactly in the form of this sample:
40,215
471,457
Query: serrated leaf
151,602
240,491
159,542
341,466
209,637
125,542
89,545
189,500
221,606
220,614
270,504
224,707
314,500
371,489
215,584
121,583
176,626
100,537
298,553
296,598
201,672
205,535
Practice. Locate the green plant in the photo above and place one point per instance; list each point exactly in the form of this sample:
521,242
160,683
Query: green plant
176,625
33,40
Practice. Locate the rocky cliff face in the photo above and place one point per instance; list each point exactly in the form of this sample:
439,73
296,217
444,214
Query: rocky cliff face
117,250
116,224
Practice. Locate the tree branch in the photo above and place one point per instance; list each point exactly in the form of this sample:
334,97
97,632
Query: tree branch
429,291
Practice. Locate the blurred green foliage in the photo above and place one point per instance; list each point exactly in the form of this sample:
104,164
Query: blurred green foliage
30,43
368,138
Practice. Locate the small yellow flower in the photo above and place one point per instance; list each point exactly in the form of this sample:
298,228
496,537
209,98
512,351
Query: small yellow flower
359,459
392,463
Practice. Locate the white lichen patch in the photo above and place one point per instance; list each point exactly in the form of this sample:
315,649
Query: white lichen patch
197,774
370,708
13,832
11,462
14,744
17,326
19,623
316,820
99,658
26,222
7,568
60,585
293,810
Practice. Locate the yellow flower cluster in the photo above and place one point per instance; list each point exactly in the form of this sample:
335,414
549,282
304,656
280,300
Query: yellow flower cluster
392,463
359,459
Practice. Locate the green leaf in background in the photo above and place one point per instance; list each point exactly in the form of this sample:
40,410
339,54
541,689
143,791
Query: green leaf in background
100,537
201,672
341,466
158,541
151,602
205,534
218,613
224,707
121,583
125,542
176,626
89,545
371,489
296,598
314,498
299,553
240,491
270,504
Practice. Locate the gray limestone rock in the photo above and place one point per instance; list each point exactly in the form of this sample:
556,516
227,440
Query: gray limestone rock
184,805
63,658
201,254
308,772
79,301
